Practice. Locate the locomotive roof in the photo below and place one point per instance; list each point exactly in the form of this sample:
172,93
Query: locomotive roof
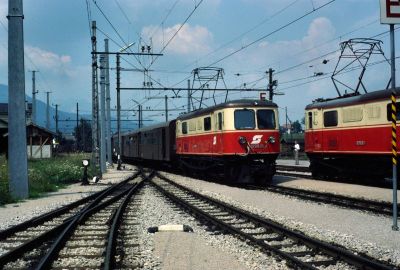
352,100
229,104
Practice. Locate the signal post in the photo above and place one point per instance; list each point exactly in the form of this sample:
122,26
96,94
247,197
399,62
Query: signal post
390,14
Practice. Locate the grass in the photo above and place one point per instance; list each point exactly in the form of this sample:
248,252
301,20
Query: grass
45,175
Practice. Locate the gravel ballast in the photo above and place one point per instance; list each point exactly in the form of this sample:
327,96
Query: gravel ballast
359,231
163,212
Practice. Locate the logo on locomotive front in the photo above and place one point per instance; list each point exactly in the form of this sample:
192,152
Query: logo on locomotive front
256,139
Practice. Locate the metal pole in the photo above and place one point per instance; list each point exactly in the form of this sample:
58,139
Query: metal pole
102,115
394,127
166,108
189,96
17,148
48,110
108,109
119,103
271,84
34,92
140,116
95,150
77,126
286,117
56,119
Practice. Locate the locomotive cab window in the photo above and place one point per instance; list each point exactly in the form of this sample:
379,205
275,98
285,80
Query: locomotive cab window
184,128
330,119
207,123
244,119
266,119
310,120
389,111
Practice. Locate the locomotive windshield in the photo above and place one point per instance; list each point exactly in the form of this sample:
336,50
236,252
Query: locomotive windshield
266,119
244,119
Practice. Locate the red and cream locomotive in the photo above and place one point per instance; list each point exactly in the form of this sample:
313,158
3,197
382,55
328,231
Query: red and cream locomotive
350,136
238,138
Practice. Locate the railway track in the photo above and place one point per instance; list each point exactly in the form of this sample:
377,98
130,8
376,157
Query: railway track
298,250
294,171
69,239
377,207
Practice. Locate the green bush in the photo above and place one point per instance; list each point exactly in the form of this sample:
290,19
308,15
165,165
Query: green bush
45,175
4,195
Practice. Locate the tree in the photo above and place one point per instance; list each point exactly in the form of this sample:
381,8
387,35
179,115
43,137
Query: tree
296,127
83,136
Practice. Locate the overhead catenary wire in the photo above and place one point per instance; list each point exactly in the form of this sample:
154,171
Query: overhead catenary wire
263,37
244,33
177,31
271,33
165,18
317,58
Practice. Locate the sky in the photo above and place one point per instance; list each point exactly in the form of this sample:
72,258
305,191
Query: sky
243,37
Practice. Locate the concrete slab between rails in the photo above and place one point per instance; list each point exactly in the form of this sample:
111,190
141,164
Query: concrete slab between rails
181,250
170,228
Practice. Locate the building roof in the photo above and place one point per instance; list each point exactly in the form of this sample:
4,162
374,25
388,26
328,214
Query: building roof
4,124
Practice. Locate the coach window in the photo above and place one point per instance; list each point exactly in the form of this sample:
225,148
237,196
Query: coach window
330,119
207,123
220,121
389,111
184,128
244,119
266,119
309,119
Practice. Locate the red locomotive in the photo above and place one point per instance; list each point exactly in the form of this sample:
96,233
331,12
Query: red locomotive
350,136
239,139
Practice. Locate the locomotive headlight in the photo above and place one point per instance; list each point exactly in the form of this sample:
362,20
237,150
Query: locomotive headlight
242,140
271,139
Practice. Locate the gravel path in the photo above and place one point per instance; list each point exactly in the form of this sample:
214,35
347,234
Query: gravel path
356,230
16,213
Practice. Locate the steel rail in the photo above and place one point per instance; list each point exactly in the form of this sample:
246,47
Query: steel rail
52,214
333,251
109,260
59,243
52,233
378,207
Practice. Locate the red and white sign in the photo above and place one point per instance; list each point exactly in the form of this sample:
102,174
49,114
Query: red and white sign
263,96
390,11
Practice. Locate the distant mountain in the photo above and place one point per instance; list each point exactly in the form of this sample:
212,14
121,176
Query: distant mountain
64,126
67,121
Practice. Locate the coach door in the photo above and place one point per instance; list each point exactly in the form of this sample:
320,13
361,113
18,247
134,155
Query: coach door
139,145
219,133
309,142
163,143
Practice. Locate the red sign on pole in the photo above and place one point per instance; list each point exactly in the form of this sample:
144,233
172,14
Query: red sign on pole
390,11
